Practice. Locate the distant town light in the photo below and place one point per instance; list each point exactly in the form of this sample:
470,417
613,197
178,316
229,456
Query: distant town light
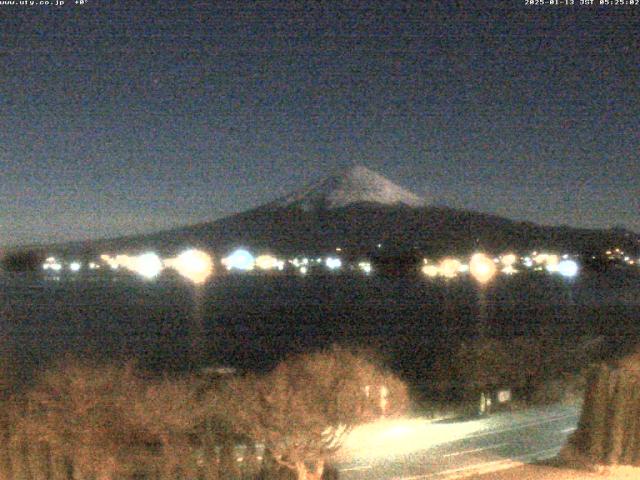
509,259
147,265
449,267
567,268
75,266
195,265
51,264
482,268
509,270
240,260
266,262
365,267
430,271
540,258
333,263
553,260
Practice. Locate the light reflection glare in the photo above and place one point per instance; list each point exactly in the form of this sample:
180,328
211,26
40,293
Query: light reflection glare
195,265
482,268
390,438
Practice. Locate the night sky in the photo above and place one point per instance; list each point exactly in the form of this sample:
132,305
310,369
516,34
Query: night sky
126,117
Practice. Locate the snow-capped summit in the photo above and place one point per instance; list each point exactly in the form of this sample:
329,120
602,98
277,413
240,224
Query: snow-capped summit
358,184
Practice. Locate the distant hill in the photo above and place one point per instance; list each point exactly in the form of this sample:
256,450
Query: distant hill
357,211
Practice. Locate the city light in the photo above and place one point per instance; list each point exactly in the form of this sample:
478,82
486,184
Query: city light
52,264
430,271
509,259
195,265
567,268
75,266
333,263
365,267
239,260
482,268
509,270
267,262
449,267
147,265
552,263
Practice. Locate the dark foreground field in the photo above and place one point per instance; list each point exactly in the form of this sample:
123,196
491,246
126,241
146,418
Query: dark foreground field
252,322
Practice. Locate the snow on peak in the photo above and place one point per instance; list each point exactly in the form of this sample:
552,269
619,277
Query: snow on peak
356,185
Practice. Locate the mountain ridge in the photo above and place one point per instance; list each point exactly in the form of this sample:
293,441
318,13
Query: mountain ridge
357,210
357,184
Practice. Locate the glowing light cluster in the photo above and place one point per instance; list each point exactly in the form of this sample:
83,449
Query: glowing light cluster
147,265
509,270
333,263
299,262
239,260
430,271
195,265
449,267
75,266
52,264
568,268
509,259
269,262
365,267
482,268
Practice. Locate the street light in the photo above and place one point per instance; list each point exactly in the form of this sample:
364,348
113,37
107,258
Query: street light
483,269
148,265
568,269
196,266
450,267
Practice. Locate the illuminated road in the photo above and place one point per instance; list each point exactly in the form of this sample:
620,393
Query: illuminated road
417,449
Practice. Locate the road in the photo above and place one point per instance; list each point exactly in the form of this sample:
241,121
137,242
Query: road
417,449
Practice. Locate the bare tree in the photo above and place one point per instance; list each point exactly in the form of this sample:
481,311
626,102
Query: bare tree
303,408
75,412
168,413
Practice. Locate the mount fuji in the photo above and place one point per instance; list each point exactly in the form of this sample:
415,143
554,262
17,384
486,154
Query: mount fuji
356,185
358,210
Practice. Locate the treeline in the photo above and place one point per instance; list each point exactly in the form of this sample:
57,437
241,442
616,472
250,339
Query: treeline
105,422
22,261
537,370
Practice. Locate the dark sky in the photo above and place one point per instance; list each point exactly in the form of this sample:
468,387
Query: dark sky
123,117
